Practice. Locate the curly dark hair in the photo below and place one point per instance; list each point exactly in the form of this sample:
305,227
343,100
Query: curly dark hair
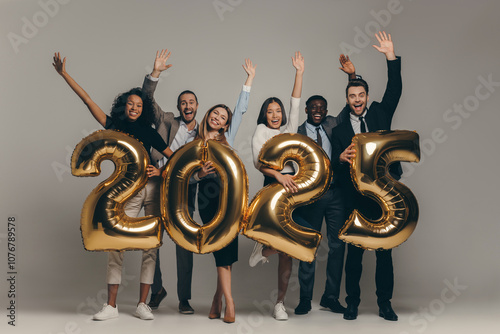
262,119
118,109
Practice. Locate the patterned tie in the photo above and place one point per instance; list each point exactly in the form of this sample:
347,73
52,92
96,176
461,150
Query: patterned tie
363,126
319,140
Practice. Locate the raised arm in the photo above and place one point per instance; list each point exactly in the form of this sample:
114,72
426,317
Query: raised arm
95,110
151,81
242,103
394,86
293,114
347,67
298,63
249,68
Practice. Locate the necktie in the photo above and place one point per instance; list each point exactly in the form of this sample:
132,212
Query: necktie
318,137
363,126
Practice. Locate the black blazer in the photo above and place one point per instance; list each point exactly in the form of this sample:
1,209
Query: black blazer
378,117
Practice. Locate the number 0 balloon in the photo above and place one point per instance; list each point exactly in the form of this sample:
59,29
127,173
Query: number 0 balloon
225,226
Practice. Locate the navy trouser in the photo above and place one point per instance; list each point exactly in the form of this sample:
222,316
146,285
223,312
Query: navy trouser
330,207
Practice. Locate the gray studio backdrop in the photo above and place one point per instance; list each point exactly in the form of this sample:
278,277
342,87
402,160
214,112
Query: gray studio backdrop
451,93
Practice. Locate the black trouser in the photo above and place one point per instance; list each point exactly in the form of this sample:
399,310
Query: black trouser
384,275
384,272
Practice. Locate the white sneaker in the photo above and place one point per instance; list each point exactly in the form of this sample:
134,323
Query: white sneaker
257,256
107,312
143,311
279,312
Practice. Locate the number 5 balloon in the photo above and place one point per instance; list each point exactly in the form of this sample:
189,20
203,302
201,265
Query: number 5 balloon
375,151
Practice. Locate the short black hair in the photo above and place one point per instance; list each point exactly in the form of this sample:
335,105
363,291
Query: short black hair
316,97
186,92
356,83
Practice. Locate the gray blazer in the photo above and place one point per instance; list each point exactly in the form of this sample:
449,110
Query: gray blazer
165,122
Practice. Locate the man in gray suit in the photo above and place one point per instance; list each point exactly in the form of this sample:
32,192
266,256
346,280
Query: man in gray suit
176,131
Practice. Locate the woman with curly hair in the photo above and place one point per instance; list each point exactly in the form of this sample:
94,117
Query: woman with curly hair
133,114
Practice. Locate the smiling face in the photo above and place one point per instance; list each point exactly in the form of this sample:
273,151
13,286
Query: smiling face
273,115
316,112
217,119
133,108
187,107
357,99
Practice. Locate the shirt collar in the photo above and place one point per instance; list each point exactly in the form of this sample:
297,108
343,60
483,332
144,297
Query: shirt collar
183,124
356,118
313,127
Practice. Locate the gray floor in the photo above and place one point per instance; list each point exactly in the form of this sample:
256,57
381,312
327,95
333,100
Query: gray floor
459,316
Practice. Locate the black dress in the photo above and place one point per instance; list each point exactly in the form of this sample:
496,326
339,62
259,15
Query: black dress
208,204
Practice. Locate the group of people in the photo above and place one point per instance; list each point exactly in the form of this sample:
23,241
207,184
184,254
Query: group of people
136,112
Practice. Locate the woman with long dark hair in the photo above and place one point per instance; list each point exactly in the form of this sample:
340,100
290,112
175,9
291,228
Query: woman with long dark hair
271,118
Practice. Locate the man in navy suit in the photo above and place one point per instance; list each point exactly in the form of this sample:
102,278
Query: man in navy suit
363,119
329,207
318,127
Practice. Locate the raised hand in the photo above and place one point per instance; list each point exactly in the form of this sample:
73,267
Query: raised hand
59,65
160,63
346,65
386,46
298,62
249,68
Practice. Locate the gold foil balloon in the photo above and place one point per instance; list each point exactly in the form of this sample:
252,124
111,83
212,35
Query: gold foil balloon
375,151
226,224
269,217
104,224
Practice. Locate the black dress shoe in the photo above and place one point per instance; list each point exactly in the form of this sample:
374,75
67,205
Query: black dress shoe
185,308
351,313
333,305
386,312
304,306
156,298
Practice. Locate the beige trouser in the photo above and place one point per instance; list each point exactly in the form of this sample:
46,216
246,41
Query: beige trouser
148,197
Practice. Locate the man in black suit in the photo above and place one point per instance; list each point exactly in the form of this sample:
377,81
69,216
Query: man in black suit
363,119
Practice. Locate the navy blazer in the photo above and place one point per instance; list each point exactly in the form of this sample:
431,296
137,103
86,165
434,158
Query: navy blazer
328,124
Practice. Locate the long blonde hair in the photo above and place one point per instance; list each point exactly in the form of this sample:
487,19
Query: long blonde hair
203,130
